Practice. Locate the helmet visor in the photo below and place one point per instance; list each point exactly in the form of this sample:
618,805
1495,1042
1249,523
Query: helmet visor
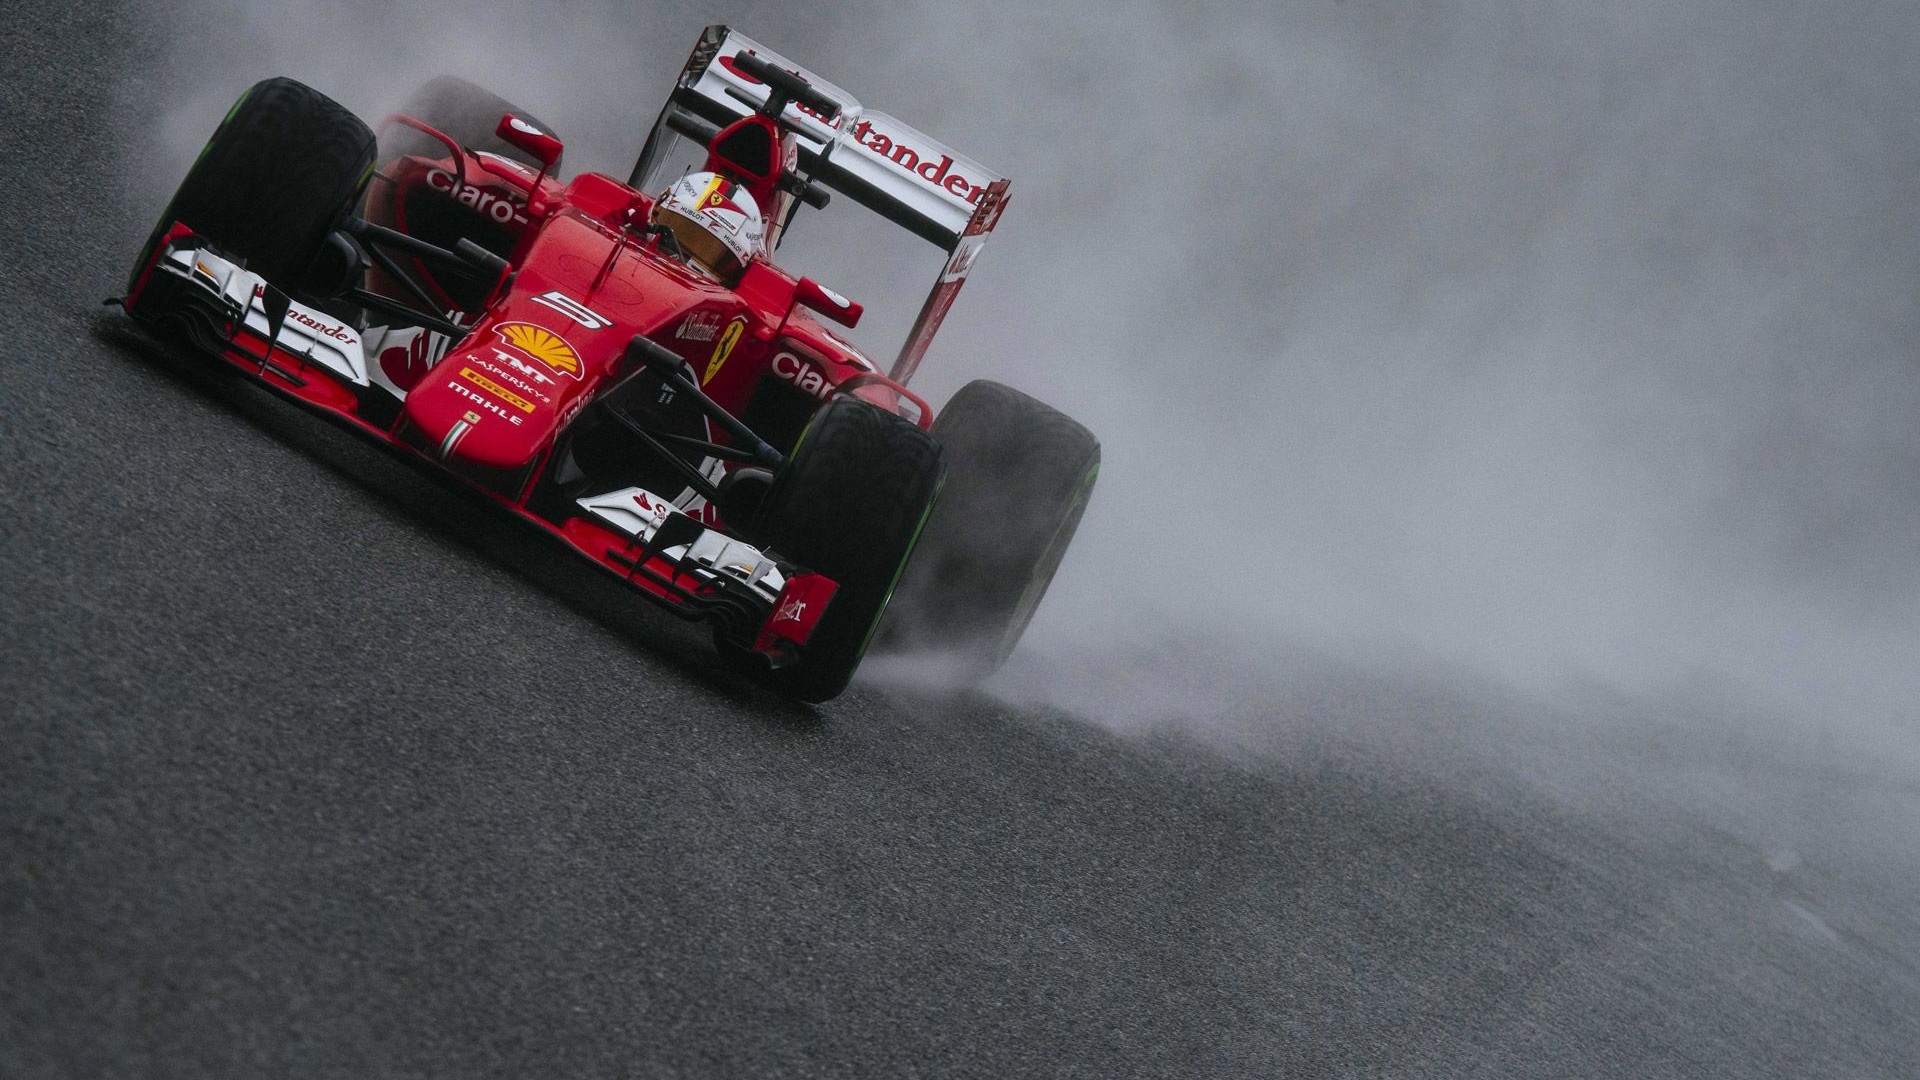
699,244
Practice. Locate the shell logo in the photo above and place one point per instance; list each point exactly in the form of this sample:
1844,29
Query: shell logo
542,344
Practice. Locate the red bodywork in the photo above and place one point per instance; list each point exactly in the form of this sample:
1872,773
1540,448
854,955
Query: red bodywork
585,282
552,334
590,285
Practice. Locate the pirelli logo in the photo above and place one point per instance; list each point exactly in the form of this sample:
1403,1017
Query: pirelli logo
499,392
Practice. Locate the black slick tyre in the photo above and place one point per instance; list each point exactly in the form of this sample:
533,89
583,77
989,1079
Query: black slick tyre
1019,474
273,181
470,116
850,503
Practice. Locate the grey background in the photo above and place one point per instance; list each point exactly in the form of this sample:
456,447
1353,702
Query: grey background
1489,652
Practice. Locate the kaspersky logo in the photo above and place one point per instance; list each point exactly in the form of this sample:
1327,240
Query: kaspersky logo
542,344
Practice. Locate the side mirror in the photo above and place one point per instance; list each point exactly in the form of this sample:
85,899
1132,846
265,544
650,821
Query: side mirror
818,297
518,133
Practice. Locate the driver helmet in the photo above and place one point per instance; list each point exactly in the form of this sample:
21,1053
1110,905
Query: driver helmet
715,221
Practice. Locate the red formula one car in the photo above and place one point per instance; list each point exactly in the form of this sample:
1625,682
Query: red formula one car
621,363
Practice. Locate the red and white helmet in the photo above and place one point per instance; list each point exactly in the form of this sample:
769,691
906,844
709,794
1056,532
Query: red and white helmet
716,222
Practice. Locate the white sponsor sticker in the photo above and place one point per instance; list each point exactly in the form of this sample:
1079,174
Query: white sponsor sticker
574,309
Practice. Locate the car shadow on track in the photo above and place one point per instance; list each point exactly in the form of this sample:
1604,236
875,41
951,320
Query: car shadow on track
409,493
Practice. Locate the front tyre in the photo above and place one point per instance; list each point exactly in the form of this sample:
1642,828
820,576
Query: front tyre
273,181
850,503
1019,474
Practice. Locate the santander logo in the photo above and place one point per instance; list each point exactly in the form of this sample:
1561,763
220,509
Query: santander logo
337,333
939,173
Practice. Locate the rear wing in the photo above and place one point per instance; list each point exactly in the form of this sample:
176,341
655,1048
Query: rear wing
903,175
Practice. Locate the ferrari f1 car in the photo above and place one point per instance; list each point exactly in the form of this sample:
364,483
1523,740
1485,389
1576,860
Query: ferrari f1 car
621,362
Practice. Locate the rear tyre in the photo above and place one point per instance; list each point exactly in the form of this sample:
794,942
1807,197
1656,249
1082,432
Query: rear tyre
470,116
849,503
1019,474
273,181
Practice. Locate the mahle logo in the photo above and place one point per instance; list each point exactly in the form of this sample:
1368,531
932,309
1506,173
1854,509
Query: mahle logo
542,344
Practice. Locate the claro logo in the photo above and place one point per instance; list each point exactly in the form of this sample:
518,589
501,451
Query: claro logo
500,208
789,367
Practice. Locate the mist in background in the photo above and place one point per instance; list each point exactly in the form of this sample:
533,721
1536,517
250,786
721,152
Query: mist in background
1562,345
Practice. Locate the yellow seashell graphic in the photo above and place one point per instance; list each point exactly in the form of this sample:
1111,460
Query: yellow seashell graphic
542,344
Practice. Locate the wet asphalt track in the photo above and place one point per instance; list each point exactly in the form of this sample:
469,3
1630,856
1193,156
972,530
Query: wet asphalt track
310,768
